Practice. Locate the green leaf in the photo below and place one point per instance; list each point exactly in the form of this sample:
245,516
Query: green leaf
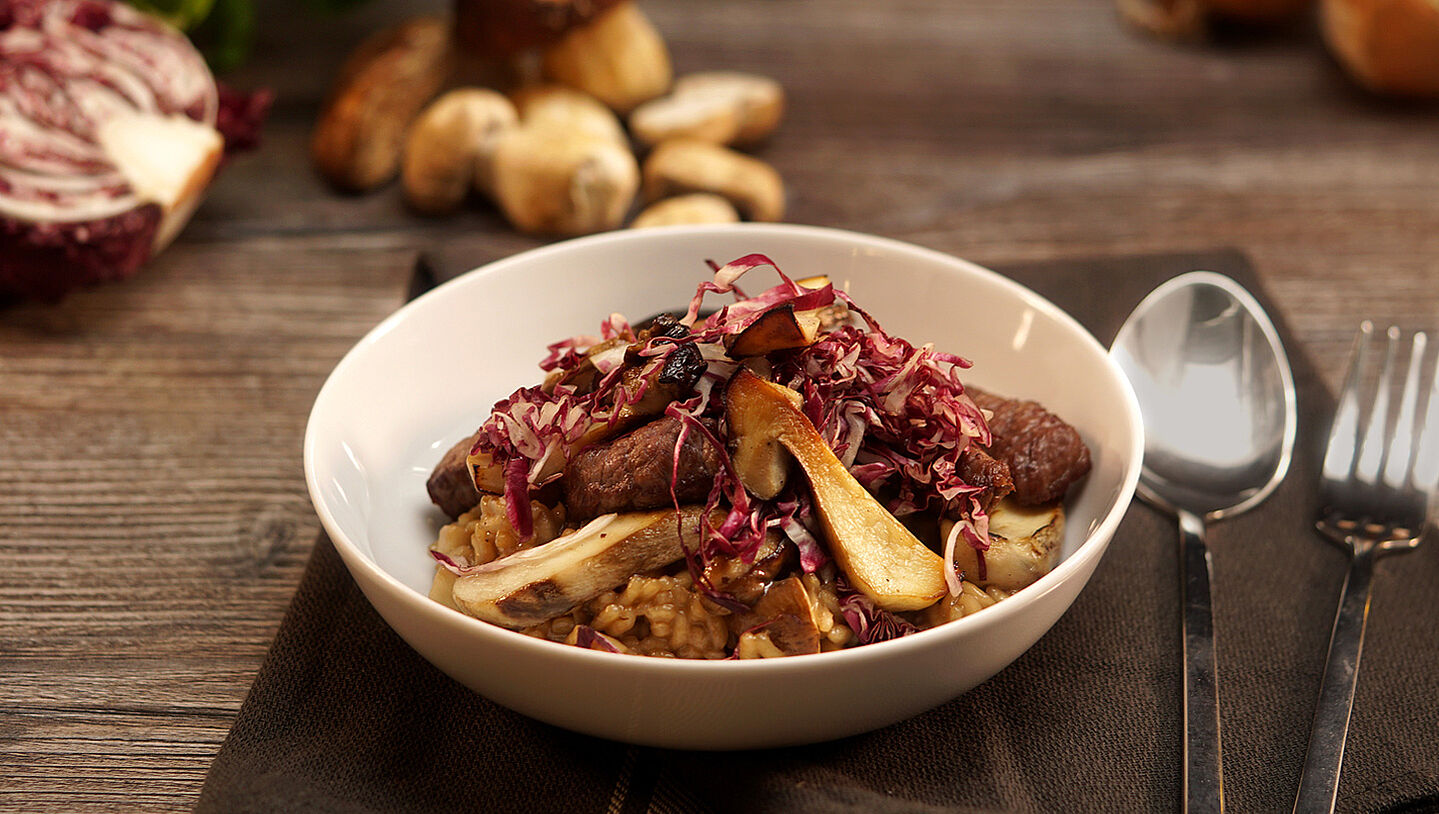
183,14
227,34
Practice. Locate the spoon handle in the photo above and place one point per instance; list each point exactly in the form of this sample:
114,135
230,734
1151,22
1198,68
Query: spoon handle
1203,774
1319,783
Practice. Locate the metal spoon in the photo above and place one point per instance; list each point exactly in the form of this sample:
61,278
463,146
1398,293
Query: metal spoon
1219,421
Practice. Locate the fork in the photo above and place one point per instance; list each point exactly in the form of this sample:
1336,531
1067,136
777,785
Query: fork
1376,491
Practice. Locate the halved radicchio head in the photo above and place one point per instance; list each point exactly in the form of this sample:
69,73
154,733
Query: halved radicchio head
107,141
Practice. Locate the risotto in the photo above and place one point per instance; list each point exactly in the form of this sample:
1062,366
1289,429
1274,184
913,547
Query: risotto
781,477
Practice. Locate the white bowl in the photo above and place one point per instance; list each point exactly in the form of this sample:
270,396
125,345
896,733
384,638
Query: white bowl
427,375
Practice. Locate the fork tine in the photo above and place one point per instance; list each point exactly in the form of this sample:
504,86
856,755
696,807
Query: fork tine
1425,473
1402,443
1344,433
1372,449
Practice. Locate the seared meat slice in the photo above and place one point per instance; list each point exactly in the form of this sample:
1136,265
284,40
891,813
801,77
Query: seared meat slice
632,472
449,485
978,468
1045,455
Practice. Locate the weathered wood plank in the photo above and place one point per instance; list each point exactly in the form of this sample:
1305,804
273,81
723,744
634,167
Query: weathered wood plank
153,515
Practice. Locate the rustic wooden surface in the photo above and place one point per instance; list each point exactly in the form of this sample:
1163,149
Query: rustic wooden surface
153,515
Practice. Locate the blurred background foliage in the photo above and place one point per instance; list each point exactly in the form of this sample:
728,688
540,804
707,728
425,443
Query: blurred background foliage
224,30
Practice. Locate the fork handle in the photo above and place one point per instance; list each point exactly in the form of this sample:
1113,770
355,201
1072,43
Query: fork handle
1319,784
1203,776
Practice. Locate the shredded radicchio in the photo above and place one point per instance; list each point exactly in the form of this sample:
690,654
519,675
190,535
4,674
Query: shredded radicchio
734,318
975,531
895,414
591,639
870,622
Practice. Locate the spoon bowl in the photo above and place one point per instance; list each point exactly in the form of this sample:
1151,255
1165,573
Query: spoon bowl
1216,392
1218,401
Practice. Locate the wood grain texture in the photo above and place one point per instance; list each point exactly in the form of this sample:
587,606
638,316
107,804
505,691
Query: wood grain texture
153,515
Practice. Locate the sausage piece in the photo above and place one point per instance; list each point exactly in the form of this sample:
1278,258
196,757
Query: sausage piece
450,486
1045,455
632,472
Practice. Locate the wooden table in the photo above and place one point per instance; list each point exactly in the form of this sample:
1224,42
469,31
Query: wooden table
153,514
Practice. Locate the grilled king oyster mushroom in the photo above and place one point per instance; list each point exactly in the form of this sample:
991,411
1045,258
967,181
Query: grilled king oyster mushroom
877,553
1024,544
540,583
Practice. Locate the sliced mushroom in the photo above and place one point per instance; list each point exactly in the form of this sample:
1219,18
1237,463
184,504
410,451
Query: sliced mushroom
877,553
539,583
1023,546
680,166
788,618
488,475
747,581
721,107
442,589
759,459
832,316
779,328
584,376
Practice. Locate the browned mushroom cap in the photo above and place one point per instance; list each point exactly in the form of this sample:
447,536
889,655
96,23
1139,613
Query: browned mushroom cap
787,615
498,28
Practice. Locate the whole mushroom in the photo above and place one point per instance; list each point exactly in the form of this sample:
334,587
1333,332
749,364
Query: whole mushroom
619,58
696,207
504,27
451,148
550,181
721,107
567,169
558,107
1390,46
382,87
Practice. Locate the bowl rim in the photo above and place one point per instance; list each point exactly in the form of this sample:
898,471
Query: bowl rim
1091,548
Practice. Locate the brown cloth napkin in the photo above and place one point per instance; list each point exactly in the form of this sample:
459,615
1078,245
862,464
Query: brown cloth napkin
344,717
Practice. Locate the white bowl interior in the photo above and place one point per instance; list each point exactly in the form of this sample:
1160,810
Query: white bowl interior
427,376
